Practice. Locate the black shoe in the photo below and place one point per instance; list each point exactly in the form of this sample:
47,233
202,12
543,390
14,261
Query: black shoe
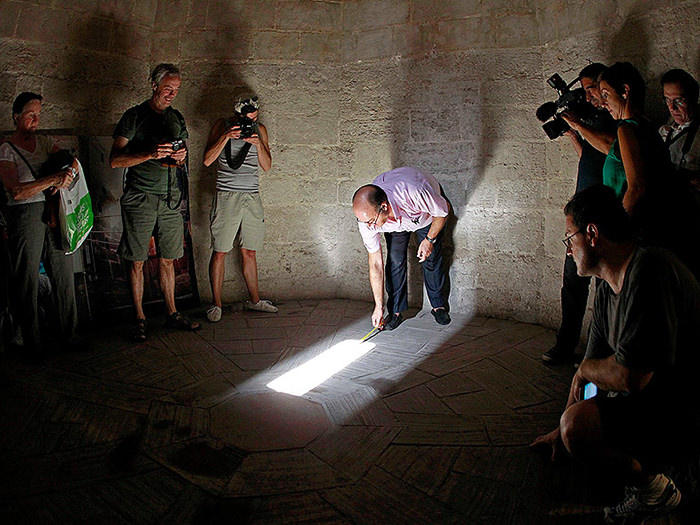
441,315
392,323
557,356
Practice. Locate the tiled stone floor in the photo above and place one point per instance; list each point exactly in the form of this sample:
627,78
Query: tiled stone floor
431,426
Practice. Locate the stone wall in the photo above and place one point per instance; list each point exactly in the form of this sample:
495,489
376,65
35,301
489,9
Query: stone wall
452,87
351,89
90,59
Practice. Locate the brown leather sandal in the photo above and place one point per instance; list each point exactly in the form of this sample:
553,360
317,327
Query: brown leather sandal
179,321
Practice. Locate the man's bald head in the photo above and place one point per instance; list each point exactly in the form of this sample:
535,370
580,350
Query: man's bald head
367,203
370,196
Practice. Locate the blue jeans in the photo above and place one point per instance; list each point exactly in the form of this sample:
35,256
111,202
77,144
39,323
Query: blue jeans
395,272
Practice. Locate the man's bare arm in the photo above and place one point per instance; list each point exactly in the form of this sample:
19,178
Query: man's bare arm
600,140
119,158
608,374
376,281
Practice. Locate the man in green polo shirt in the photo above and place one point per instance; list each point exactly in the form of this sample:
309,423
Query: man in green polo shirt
149,141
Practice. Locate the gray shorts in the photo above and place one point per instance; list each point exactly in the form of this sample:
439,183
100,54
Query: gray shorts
232,211
145,215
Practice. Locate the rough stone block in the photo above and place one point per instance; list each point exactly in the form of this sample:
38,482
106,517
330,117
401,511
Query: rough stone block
216,45
371,159
324,47
144,13
508,231
517,30
425,10
276,45
197,15
504,297
246,15
135,41
409,40
469,33
172,14
430,158
44,24
309,162
554,231
504,125
7,88
520,192
324,131
373,43
557,22
8,20
368,14
431,126
302,15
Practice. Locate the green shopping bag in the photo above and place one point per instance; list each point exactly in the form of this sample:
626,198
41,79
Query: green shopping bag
75,213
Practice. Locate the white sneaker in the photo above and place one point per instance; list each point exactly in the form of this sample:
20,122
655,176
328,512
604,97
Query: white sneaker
263,305
632,510
214,313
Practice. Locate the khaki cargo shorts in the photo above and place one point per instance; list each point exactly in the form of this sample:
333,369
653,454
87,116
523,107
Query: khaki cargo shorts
232,211
145,215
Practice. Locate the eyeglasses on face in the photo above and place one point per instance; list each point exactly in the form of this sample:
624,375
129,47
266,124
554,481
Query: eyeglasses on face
677,103
372,222
567,240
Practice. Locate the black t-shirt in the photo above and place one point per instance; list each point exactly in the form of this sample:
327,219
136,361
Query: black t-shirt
145,128
653,324
590,165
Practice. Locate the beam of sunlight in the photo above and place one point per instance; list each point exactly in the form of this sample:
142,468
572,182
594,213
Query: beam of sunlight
315,371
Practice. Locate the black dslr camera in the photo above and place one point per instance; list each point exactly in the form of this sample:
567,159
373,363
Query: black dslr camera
247,127
175,145
246,124
569,99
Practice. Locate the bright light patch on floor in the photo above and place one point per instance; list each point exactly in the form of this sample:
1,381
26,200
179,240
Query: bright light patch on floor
316,370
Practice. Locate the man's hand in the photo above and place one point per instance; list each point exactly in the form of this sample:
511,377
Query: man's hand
378,317
577,384
254,140
425,248
552,440
179,155
234,132
572,119
162,150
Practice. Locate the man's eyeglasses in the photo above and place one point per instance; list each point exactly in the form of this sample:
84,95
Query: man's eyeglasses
567,239
372,222
677,103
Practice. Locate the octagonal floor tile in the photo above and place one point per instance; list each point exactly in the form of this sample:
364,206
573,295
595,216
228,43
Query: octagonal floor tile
269,421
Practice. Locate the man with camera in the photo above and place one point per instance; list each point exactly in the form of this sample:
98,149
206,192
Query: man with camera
588,139
399,202
641,356
149,141
239,144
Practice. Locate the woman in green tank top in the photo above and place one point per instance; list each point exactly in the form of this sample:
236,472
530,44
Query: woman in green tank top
628,165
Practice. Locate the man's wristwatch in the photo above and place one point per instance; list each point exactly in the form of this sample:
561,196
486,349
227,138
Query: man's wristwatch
431,241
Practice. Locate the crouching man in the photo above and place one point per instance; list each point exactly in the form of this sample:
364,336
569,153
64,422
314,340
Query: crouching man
642,356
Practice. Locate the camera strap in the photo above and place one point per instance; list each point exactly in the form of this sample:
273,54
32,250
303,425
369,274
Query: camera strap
31,170
689,133
237,162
